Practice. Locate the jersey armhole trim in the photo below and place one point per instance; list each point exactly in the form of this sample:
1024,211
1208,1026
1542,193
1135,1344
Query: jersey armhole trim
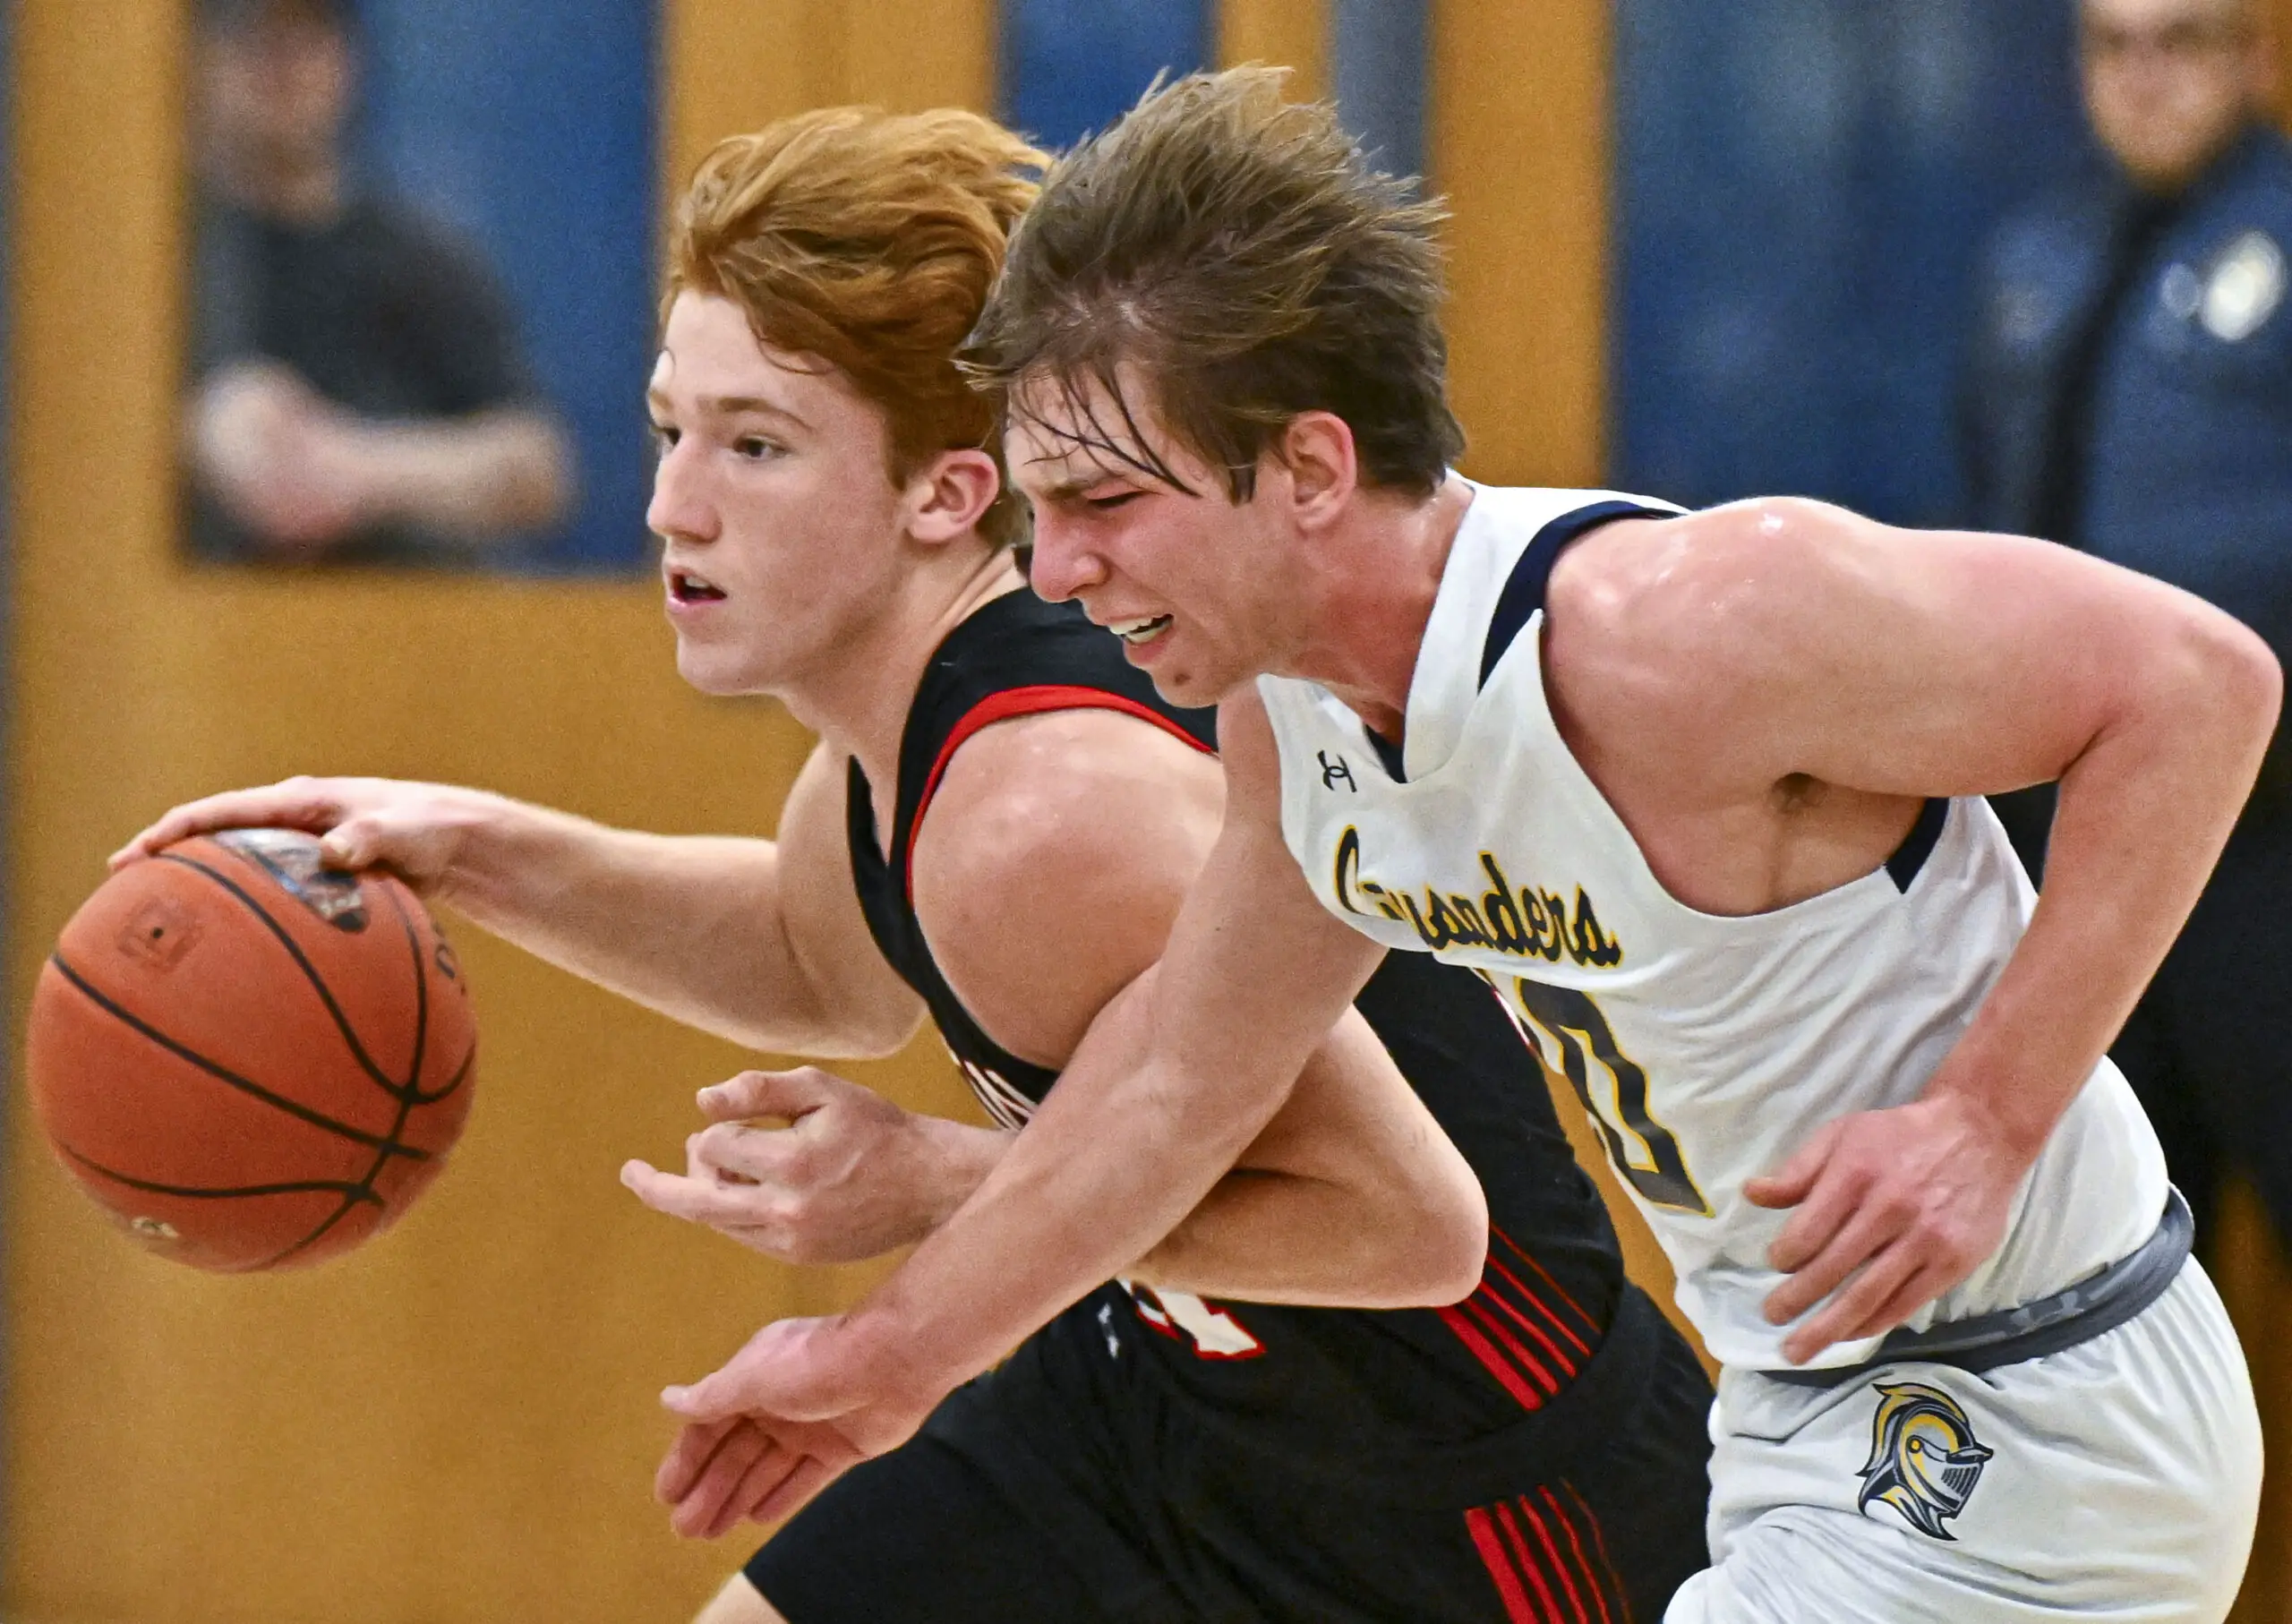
1004,706
1524,588
1918,844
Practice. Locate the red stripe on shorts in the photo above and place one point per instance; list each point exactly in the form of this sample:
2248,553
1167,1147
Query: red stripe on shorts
1528,1563
1484,1350
1517,1607
1559,1566
1575,1547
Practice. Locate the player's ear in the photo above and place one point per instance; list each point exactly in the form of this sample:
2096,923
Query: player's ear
949,495
1317,450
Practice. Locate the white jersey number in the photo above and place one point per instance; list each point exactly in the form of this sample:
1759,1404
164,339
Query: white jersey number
1214,1333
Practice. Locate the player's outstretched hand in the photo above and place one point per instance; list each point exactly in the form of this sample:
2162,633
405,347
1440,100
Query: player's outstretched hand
414,829
749,1469
852,1176
1894,1208
799,1406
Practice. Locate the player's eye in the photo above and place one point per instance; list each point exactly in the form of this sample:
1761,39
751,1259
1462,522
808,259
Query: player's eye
663,436
754,447
1106,504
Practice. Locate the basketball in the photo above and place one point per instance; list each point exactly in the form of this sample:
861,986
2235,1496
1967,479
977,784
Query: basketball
250,1060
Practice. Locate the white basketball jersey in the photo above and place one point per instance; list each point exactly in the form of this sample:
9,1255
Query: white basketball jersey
1706,1048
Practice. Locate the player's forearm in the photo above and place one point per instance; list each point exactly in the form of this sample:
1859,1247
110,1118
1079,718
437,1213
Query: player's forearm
1312,1243
1272,1234
1352,1198
2143,813
1071,1203
478,478
687,925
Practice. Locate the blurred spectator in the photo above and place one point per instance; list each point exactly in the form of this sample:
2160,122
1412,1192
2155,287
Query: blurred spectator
357,390
2131,394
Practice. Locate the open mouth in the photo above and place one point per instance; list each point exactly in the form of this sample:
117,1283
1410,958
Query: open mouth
1135,632
687,587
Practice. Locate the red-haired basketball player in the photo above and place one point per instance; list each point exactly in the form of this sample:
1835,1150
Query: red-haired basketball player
997,828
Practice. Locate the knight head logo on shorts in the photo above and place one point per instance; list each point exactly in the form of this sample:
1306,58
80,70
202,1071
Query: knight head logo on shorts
1924,1457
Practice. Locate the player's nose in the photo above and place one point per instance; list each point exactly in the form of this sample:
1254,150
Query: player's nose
1062,565
680,508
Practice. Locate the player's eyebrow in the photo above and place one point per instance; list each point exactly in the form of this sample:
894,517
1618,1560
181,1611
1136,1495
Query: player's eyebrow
730,406
1071,487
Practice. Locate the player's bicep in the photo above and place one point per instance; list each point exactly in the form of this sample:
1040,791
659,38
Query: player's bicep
1810,640
857,1001
1056,854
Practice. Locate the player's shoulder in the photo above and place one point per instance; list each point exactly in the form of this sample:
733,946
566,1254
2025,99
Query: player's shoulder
1061,801
1682,597
1053,862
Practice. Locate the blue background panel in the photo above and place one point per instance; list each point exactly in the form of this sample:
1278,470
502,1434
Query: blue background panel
530,125
1071,66
1801,188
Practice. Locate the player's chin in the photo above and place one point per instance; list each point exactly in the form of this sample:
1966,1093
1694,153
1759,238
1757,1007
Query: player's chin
720,673
1195,687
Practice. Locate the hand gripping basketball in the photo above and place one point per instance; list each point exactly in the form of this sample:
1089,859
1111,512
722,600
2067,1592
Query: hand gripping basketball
415,830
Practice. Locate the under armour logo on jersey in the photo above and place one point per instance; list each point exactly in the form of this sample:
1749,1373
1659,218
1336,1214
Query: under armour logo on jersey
1331,771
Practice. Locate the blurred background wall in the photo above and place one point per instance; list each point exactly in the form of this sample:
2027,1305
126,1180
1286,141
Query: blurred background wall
457,1424
440,121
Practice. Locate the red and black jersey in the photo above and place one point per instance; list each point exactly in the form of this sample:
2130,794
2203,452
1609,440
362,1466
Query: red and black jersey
1308,1379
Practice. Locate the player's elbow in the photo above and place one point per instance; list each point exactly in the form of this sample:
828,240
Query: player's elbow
2251,680
2226,678
1441,1247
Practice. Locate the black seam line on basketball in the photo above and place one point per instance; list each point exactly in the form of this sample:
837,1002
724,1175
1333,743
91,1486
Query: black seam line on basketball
317,1119
406,1100
421,999
217,1192
453,1083
310,971
332,1218
365,1186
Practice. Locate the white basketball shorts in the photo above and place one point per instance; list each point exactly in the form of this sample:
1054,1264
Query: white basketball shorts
2117,1479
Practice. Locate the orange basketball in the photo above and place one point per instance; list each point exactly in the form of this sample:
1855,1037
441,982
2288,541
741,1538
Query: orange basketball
249,1059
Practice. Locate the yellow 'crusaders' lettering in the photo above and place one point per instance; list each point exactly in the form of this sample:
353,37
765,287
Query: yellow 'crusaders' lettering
1524,923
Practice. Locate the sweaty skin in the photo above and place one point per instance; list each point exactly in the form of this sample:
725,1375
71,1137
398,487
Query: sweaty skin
1764,692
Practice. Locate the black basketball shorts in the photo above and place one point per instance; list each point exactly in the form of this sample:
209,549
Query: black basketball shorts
1076,1486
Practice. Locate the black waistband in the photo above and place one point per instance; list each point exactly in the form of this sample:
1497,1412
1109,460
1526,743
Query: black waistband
2096,1304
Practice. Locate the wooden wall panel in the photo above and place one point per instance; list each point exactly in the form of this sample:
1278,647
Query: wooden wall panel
1288,33
457,1424
738,63
2280,17
1518,145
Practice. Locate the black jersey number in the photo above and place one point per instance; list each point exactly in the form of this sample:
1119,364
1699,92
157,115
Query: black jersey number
1644,1153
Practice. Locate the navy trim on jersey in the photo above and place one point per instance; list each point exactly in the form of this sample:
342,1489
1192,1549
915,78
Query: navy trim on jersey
1387,752
1524,589
1918,844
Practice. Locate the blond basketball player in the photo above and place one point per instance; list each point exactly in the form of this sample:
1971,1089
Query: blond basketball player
1700,793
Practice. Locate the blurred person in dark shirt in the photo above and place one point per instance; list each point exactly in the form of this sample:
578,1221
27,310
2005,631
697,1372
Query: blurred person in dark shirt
357,390
2130,394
